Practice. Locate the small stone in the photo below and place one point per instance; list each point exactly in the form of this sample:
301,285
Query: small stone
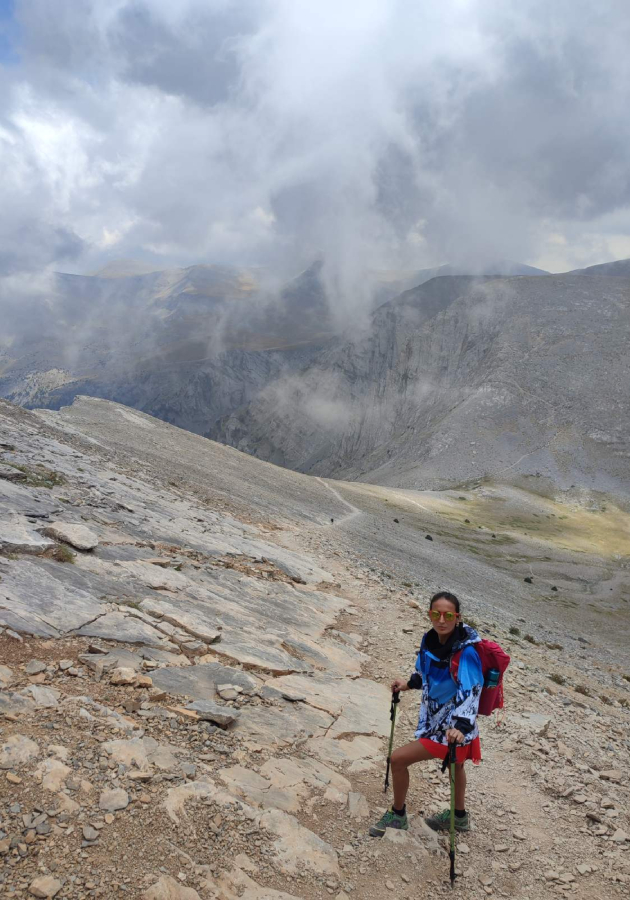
114,799
620,836
65,664
123,675
109,819
89,833
212,712
13,779
501,848
463,848
45,886
614,775
583,868
77,536
34,667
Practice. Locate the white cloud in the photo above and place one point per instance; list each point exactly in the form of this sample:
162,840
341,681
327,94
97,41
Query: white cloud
381,135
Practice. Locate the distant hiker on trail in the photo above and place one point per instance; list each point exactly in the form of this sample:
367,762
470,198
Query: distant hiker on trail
448,712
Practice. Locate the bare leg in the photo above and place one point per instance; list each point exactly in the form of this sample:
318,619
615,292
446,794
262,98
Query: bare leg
401,760
460,786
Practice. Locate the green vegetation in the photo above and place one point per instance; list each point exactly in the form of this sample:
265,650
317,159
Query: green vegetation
530,639
63,554
39,476
557,678
582,689
515,631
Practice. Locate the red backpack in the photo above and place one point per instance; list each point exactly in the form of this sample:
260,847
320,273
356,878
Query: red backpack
492,656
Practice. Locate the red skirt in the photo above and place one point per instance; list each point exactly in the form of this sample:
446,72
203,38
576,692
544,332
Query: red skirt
470,751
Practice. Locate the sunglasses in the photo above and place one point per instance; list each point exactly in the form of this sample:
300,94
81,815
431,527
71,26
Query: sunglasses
435,615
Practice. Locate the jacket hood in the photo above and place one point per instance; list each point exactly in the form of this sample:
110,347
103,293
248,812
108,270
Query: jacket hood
467,636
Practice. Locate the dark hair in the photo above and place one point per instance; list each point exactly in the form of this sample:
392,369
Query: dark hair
445,595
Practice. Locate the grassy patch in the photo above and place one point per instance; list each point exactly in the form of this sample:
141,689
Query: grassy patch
530,639
515,631
557,678
39,476
63,554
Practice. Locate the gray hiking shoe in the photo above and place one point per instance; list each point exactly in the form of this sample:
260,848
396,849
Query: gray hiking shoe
389,820
442,821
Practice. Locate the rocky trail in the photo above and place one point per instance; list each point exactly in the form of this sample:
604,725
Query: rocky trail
193,690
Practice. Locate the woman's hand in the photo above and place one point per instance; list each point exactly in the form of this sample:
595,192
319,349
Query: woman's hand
453,736
399,684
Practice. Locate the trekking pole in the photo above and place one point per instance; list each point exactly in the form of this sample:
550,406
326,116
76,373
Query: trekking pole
392,716
452,757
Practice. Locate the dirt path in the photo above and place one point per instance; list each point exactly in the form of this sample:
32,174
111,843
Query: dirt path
527,839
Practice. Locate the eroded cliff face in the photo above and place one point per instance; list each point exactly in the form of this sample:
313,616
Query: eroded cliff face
460,379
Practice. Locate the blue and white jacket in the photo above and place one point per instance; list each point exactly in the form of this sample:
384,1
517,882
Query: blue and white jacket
446,703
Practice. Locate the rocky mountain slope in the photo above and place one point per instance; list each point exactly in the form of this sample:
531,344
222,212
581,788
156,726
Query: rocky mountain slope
187,345
195,649
463,379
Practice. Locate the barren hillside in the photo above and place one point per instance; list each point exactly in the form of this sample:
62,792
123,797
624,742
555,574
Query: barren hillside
195,651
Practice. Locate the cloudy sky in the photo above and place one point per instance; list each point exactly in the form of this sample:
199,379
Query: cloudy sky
379,133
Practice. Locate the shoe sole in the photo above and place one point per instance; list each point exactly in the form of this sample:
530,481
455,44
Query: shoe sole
435,827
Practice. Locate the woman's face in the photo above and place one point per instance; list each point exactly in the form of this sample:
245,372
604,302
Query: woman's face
447,611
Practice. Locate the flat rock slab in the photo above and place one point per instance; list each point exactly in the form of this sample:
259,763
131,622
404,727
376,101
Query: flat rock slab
38,597
359,705
18,536
168,888
300,570
360,754
76,535
27,501
200,682
195,625
17,751
297,848
8,473
43,697
224,716
281,726
237,883
116,626
262,651
6,676
154,576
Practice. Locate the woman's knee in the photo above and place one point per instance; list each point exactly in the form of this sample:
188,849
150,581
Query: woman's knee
398,760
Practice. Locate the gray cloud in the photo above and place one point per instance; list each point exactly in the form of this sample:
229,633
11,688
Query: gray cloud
395,135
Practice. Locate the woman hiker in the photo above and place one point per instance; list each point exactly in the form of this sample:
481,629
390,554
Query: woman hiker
448,712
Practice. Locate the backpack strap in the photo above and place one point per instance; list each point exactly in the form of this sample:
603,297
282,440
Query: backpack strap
453,664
